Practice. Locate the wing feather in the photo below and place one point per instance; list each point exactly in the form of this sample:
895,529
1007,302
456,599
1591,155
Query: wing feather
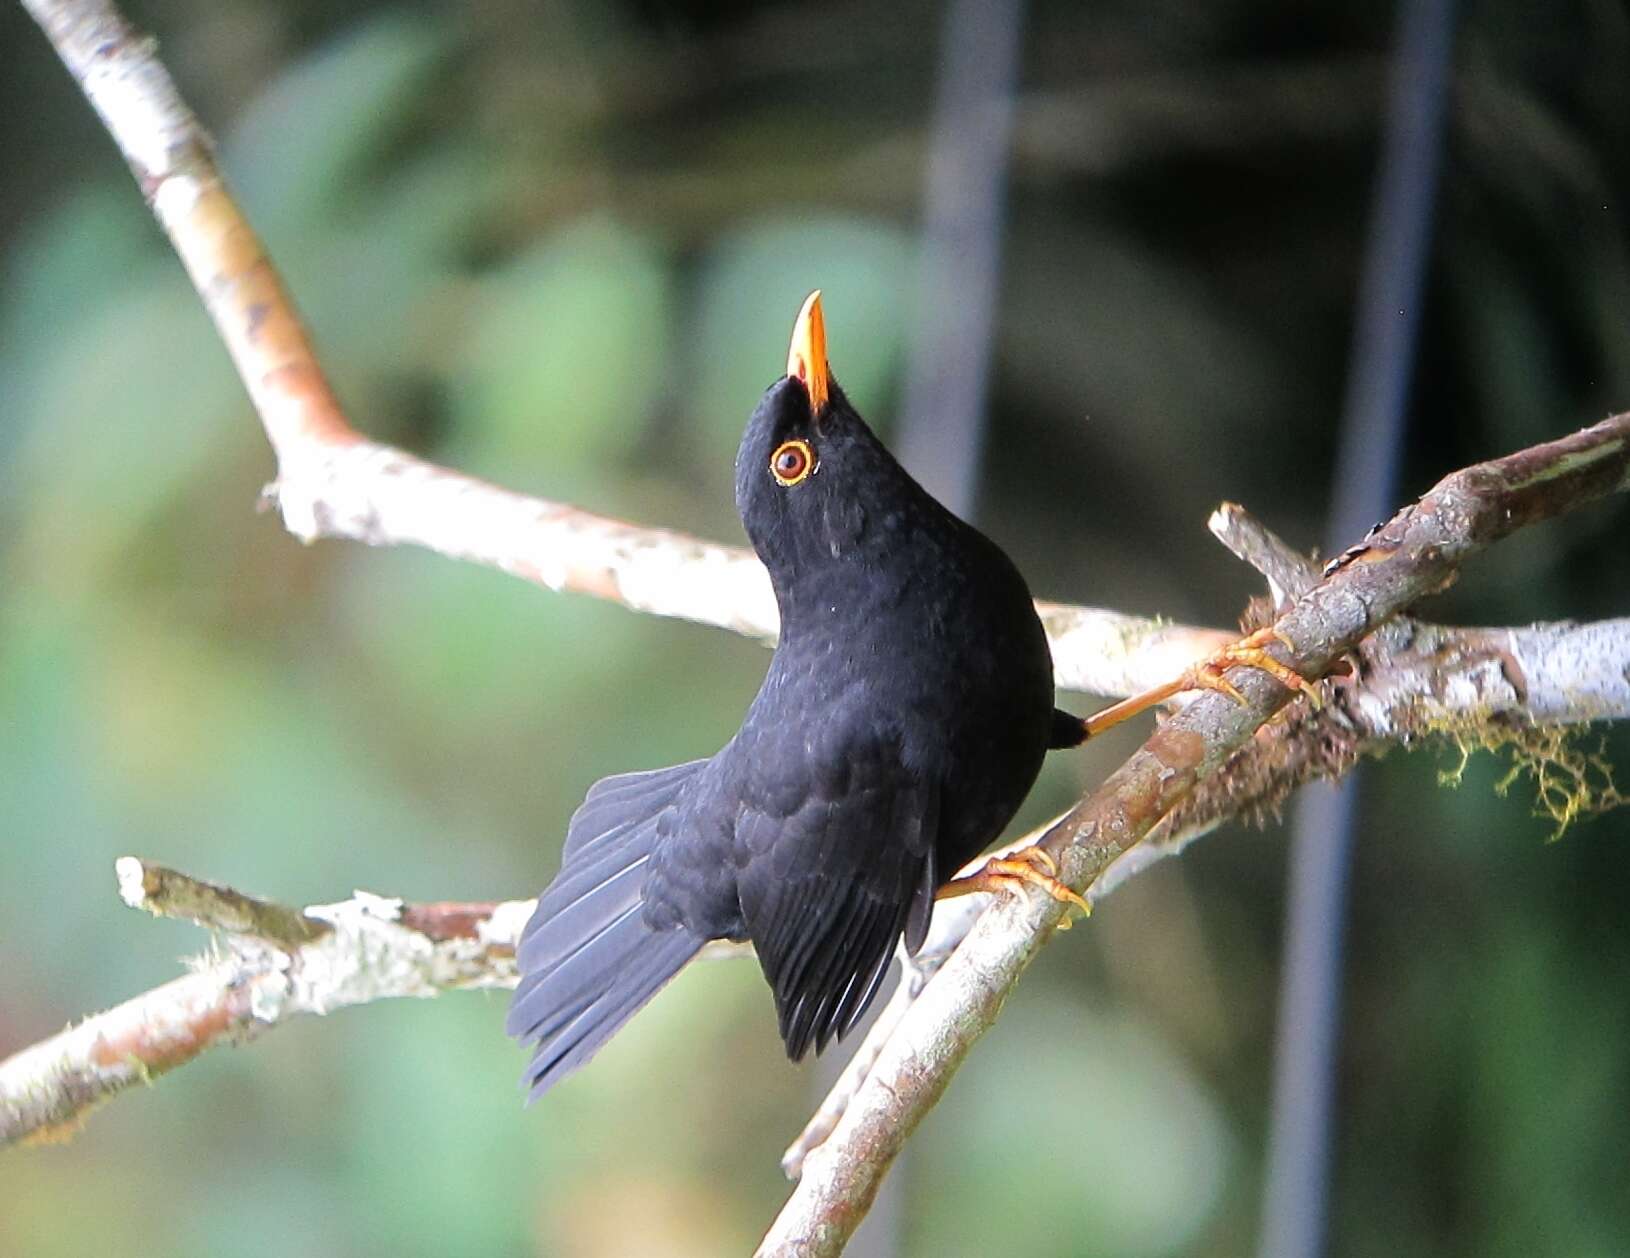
829,886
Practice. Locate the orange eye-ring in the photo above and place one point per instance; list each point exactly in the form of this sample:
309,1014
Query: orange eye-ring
792,461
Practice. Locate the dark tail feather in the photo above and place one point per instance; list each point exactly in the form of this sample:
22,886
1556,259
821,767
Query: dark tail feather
588,960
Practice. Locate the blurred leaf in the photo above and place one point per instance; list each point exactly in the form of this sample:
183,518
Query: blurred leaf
1542,1134
442,1070
752,284
64,264
295,155
134,397
477,650
1123,1148
567,350
376,294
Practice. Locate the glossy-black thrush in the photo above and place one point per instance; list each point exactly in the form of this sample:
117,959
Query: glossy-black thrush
904,717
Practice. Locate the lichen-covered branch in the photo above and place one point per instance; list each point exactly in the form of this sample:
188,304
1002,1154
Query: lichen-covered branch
1416,685
166,893
274,963
1416,553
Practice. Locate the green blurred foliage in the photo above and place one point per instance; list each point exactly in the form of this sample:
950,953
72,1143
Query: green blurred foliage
559,246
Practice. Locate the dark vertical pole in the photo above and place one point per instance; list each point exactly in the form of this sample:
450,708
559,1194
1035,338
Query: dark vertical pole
942,431
1376,403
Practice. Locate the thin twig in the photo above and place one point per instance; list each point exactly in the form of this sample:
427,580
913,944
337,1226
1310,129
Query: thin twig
1289,573
166,893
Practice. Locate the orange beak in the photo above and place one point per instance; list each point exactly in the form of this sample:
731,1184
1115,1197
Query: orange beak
806,358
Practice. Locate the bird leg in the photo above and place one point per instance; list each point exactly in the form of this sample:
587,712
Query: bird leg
1208,675
1013,872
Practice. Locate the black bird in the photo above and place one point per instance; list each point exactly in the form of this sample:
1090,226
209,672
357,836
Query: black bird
905,715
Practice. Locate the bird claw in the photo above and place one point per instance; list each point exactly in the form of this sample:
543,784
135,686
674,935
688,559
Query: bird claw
1208,674
1015,871
1249,652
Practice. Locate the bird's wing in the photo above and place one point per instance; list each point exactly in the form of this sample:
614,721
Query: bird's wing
836,858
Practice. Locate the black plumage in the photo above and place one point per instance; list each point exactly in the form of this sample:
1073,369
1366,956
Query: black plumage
904,717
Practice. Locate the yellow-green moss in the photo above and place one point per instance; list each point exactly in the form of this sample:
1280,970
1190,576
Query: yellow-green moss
1570,781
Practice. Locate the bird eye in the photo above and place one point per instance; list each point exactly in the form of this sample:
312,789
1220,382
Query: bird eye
791,462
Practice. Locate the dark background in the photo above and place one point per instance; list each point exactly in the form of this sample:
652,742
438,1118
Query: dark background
560,246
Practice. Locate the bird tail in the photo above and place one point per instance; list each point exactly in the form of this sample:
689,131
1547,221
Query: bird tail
588,959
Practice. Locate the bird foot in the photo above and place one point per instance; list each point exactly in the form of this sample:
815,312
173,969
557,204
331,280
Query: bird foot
1028,867
1249,652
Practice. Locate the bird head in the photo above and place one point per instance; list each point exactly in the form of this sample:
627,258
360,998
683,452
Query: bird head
814,486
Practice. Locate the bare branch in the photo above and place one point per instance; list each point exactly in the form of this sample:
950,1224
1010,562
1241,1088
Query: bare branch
1288,573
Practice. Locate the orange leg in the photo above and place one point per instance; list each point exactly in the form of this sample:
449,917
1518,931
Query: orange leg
1013,872
1208,675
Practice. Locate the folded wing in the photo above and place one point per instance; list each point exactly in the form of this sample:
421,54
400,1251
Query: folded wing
833,873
